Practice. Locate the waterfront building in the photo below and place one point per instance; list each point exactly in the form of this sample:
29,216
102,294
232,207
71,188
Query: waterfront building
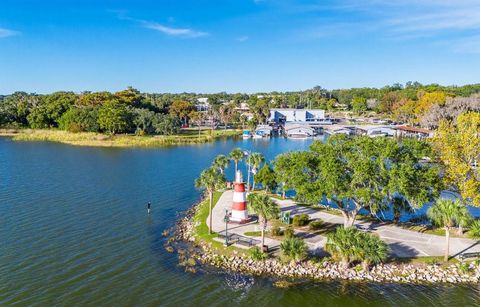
406,131
282,116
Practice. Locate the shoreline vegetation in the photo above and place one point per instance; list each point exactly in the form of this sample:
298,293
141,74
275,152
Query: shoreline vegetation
93,139
202,249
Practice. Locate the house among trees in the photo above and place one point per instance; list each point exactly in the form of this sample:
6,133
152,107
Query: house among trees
202,104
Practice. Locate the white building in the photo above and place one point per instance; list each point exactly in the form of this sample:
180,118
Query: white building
202,104
296,115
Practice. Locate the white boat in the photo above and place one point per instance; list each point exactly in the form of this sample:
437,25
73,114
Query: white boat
301,132
246,134
263,131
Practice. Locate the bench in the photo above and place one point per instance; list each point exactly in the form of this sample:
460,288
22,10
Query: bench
469,255
234,238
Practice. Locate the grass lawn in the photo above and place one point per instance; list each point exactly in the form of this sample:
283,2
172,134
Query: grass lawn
186,136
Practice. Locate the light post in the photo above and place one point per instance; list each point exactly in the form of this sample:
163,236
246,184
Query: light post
226,219
248,153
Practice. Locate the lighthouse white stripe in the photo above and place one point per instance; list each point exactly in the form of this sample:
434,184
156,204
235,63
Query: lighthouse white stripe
239,197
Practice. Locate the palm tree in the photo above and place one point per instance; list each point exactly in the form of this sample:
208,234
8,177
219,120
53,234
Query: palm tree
372,250
464,219
210,179
221,162
344,244
447,214
236,155
256,159
265,208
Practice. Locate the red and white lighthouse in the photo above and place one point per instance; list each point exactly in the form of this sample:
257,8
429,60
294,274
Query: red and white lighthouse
239,205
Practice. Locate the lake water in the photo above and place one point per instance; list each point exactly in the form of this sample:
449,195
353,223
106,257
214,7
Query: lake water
74,231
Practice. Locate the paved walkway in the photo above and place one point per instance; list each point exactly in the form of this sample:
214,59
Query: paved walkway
402,242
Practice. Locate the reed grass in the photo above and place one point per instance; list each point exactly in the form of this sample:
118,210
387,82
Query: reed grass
185,137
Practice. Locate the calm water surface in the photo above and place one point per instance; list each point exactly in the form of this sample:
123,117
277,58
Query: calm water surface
74,231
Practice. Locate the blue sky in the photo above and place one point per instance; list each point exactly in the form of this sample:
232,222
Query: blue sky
235,45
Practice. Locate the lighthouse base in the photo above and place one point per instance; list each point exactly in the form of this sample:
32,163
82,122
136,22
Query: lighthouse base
239,217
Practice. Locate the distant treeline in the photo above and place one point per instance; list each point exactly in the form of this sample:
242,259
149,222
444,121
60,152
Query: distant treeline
130,111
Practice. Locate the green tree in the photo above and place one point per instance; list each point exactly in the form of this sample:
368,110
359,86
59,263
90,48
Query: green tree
266,177
166,124
359,105
265,208
130,96
288,170
236,155
182,110
210,179
82,118
447,214
256,159
144,120
364,173
113,116
221,163
399,206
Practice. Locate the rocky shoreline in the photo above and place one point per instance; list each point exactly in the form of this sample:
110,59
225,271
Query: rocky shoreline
203,254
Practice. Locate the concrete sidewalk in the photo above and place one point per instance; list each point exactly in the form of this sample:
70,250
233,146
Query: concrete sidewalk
402,242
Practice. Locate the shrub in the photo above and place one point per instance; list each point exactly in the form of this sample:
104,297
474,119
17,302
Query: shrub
474,231
289,232
256,254
294,248
432,261
463,267
300,219
275,231
315,225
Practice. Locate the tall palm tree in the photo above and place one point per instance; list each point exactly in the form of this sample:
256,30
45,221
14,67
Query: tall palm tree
256,160
265,208
447,214
236,155
210,179
221,162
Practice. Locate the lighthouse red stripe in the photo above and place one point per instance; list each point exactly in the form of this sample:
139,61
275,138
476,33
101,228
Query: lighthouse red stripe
239,206
240,187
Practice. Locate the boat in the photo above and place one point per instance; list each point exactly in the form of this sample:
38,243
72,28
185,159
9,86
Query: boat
246,134
298,135
263,131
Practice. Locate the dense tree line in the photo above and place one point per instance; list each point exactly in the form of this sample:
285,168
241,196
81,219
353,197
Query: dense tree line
130,111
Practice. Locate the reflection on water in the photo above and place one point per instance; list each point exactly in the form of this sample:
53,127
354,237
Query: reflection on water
74,231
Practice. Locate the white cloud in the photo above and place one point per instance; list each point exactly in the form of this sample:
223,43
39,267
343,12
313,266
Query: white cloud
7,32
242,39
179,32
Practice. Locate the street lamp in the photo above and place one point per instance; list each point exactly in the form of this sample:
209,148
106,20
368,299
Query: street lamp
248,153
226,219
